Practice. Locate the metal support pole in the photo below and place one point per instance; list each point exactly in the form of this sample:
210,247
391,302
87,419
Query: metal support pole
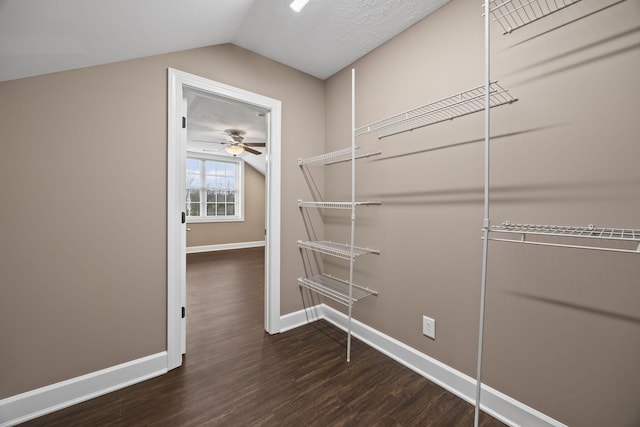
485,222
353,202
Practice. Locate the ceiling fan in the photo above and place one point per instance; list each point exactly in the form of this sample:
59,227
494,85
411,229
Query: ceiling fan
234,143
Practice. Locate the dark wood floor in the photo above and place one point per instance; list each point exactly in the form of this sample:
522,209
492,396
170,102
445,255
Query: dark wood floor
234,374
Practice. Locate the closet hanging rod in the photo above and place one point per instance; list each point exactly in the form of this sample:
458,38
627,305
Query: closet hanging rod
514,14
519,234
461,104
334,205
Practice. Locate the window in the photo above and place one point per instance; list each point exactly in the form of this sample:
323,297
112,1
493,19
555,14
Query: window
214,189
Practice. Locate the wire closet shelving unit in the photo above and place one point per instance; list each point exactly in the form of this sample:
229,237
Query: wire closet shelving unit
343,291
511,15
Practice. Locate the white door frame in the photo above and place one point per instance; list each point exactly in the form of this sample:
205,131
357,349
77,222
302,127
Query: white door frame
176,251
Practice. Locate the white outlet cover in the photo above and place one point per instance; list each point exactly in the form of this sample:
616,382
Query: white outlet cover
429,327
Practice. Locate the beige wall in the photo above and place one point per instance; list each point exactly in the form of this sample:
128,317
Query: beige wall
249,230
83,282
562,325
83,212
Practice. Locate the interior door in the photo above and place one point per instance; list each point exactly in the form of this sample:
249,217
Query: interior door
183,231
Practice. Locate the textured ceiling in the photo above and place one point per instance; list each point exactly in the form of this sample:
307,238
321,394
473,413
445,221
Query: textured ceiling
210,116
327,35
44,36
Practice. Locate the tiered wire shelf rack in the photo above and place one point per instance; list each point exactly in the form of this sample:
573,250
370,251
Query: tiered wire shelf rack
464,103
345,292
514,14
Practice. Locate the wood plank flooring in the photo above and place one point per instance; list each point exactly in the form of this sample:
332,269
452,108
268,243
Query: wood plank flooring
235,374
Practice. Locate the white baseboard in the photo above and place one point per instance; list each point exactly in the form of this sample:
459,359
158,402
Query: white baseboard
224,247
35,403
300,317
493,402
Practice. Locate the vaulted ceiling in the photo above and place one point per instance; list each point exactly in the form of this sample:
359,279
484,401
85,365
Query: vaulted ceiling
44,36
211,119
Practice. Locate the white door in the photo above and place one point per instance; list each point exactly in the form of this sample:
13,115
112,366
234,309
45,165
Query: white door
183,235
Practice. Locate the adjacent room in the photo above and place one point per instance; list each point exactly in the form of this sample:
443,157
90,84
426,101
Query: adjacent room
321,212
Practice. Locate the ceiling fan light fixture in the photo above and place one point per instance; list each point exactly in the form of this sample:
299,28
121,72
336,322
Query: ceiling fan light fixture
297,5
234,149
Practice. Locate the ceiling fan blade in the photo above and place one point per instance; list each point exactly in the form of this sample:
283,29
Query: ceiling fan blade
212,142
217,150
255,144
250,150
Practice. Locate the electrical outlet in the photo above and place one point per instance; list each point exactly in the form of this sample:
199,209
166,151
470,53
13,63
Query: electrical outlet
429,327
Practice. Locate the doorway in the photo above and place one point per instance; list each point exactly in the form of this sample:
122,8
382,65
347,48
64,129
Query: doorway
178,82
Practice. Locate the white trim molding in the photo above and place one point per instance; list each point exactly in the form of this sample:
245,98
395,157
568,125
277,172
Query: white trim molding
495,403
301,317
35,403
224,247
176,231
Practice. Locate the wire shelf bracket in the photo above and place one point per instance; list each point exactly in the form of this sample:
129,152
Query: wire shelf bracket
591,234
335,289
462,104
514,14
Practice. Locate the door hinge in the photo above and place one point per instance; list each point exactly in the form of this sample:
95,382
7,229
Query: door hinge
184,217
184,122
184,312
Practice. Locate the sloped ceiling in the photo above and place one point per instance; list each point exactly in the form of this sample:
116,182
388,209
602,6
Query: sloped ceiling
327,35
210,117
44,36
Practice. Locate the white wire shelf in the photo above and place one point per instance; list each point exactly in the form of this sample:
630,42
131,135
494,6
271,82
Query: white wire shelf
335,289
514,14
339,250
462,104
338,156
591,235
334,205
